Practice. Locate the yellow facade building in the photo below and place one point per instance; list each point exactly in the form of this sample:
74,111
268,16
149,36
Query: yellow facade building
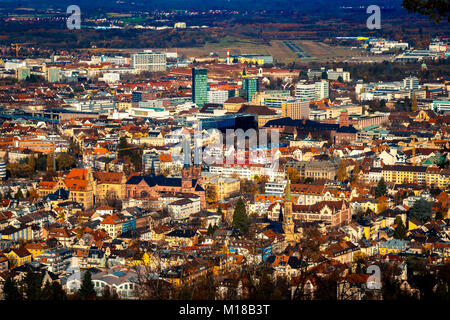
80,183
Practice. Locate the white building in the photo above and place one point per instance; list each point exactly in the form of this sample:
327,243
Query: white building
339,72
322,90
182,209
411,83
2,170
15,64
313,91
305,91
441,105
217,96
275,187
110,77
149,60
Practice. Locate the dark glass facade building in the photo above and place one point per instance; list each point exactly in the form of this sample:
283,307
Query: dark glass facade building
199,86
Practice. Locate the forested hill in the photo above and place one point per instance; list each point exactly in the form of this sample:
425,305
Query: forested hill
325,6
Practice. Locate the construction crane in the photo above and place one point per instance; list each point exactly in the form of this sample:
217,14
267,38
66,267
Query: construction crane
21,44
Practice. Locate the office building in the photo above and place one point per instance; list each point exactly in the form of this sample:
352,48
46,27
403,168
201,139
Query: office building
199,86
52,74
305,91
2,170
295,109
218,96
250,86
338,73
441,106
149,61
322,90
23,73
151,163
313,91
411,83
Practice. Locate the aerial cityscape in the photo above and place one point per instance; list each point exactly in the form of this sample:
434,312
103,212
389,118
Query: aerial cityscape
224,150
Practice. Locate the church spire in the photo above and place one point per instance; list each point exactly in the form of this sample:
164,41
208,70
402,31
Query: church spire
187,153
287,193
288,223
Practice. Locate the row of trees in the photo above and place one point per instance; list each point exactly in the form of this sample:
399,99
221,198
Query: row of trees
27,168
31,287
130,154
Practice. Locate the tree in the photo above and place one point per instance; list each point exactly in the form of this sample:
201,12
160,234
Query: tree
414,103
50,163
422,210
32,285
359,258
58,292
123,144
400,229
342,171
240,217
434,9
11,290
202,288
355,174
32,163
53,291
381,188
309,254
106,295
46,291
64,161
86,290
294,175
248,187
359,213
19,194
390,284
268,287
303,75
210,229
381,205
211,194
136,159
261,183
146,285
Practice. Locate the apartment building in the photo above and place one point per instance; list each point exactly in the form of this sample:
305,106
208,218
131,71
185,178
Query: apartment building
149,61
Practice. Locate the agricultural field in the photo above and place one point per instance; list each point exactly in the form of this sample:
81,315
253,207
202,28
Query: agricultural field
279,49
319,51
315,51
236,46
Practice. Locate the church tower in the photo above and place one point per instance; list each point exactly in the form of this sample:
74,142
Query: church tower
196,170
186,172
288,222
